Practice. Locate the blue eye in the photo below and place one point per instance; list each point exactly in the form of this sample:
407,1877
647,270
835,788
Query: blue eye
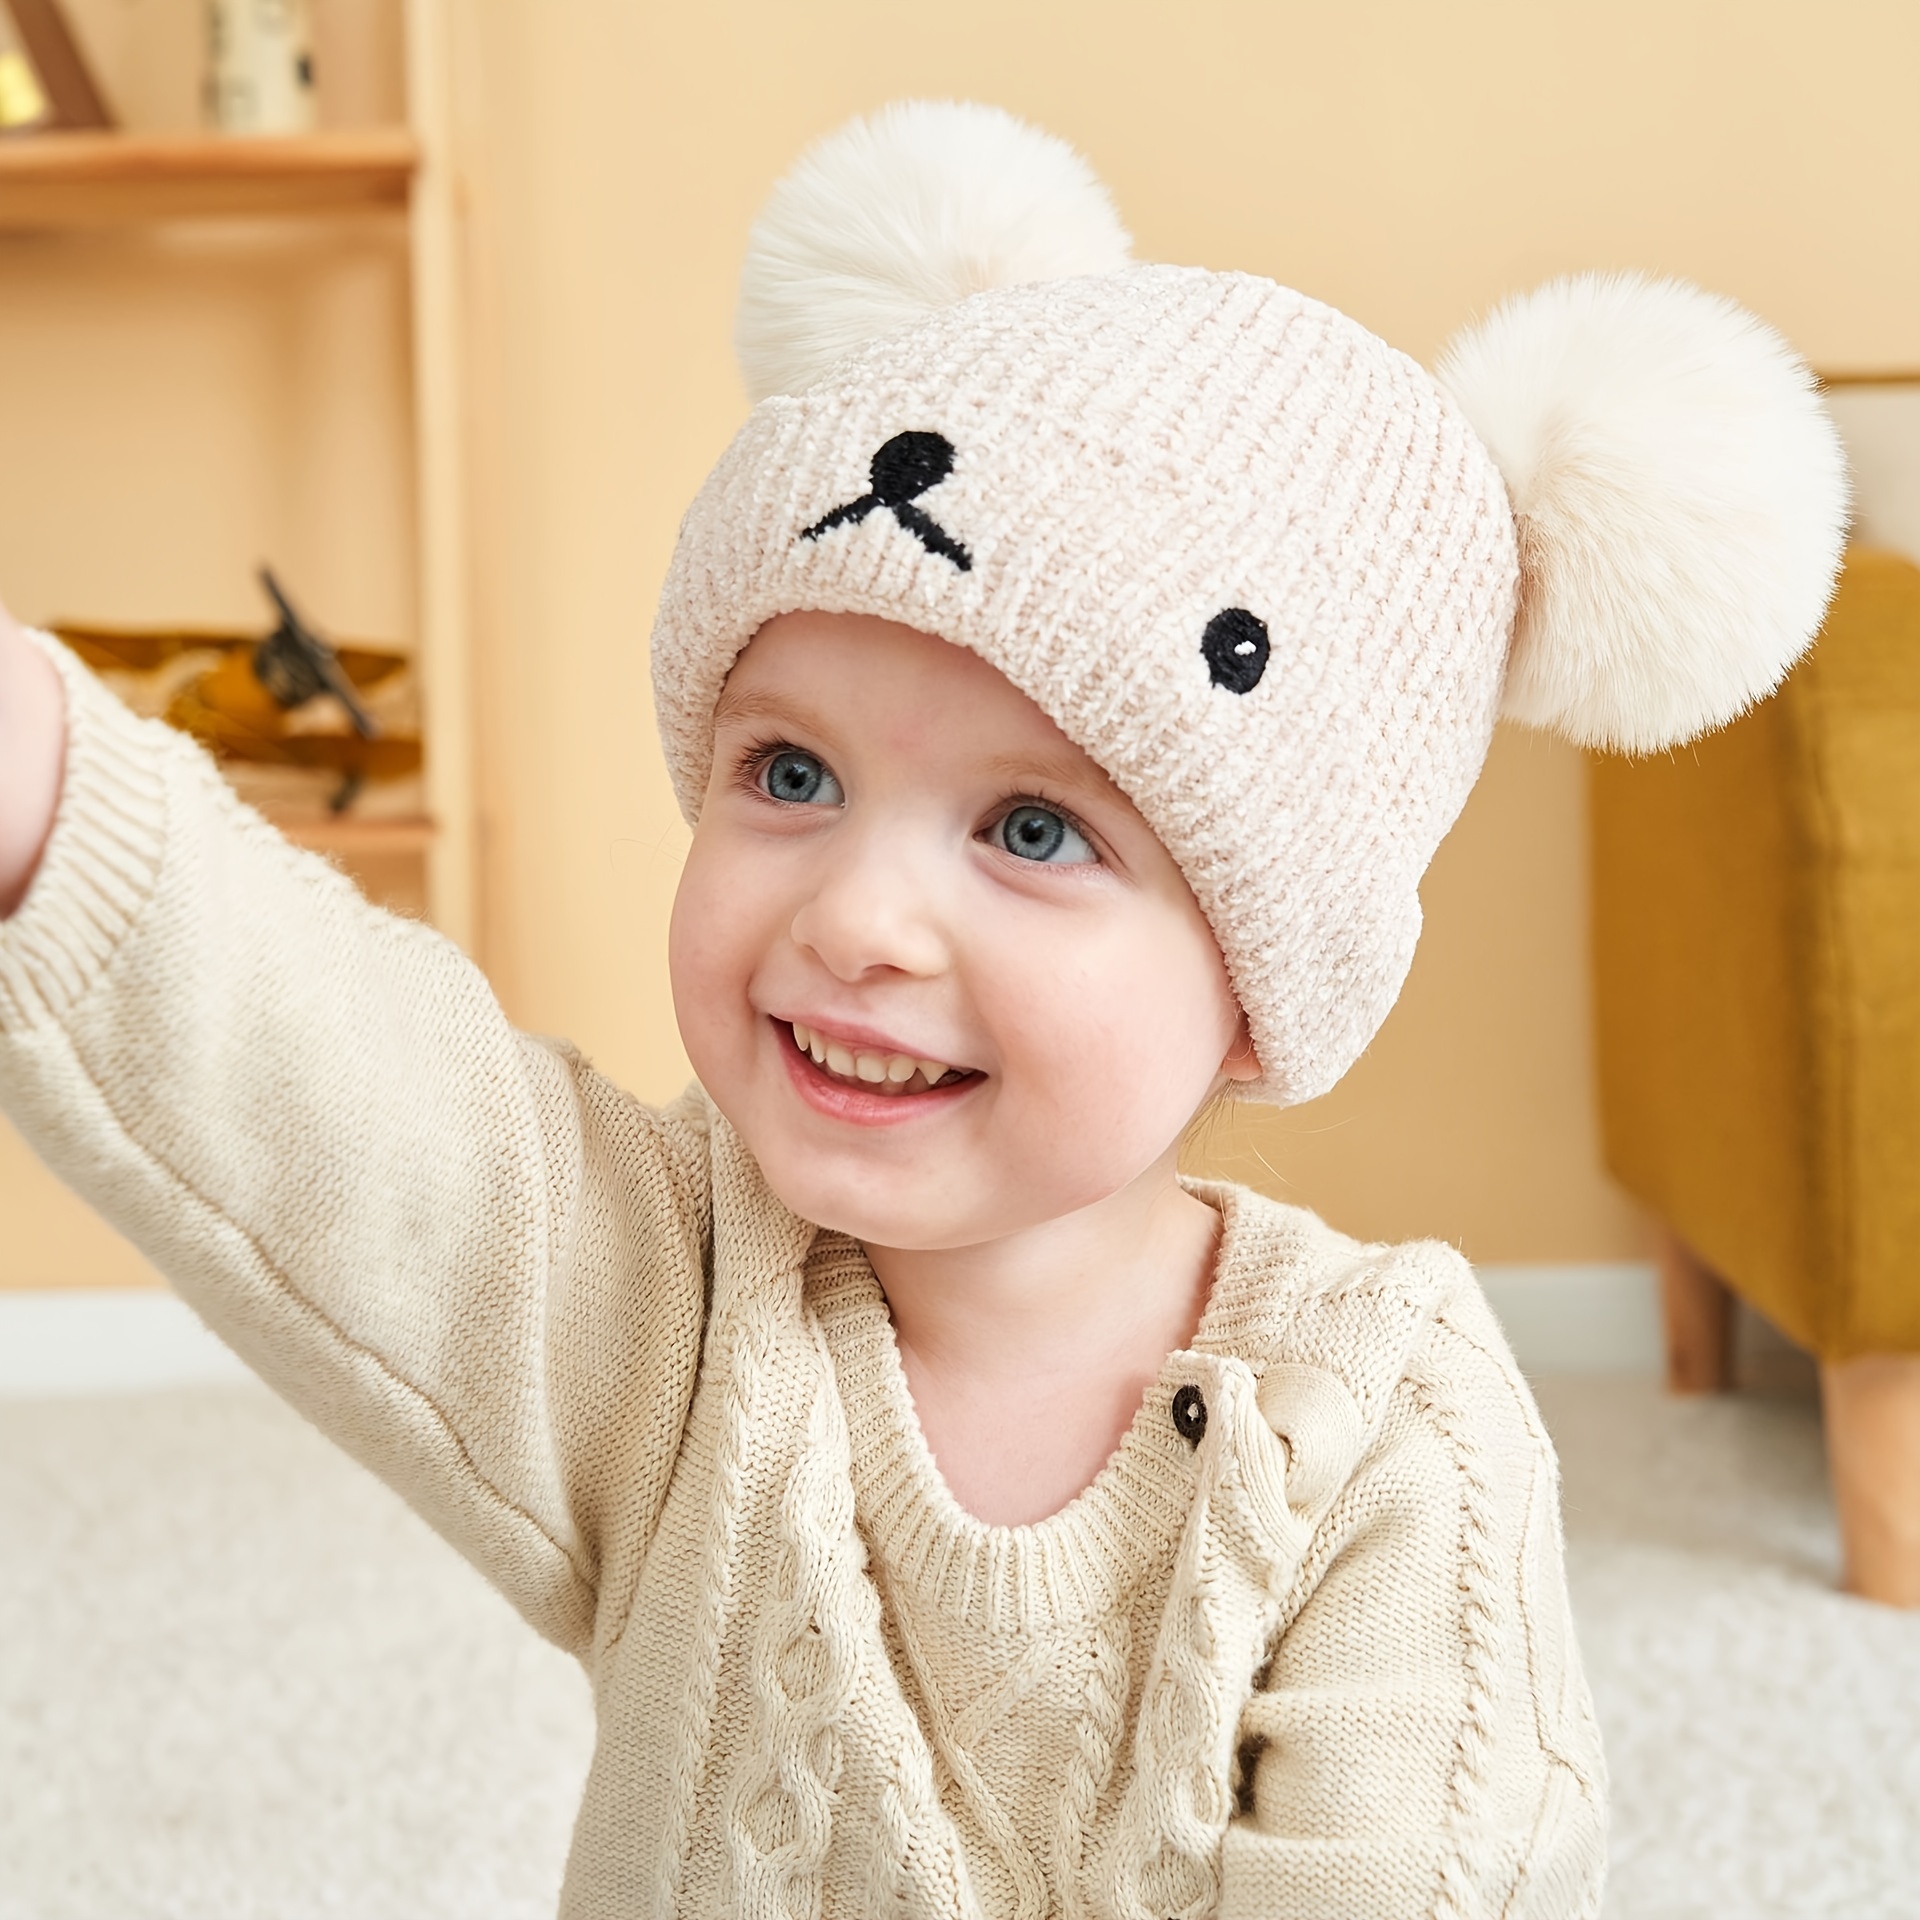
799,779
1038,833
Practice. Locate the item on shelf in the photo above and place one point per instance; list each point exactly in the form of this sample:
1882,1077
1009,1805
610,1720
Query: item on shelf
260,66
288,704
44,79
24,105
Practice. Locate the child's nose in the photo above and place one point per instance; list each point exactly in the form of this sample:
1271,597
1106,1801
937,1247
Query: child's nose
877,907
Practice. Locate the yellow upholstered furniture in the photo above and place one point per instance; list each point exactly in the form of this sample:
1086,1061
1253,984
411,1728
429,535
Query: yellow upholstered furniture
1756,903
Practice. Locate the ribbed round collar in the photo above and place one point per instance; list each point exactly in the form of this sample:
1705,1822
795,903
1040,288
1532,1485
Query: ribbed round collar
1084,1561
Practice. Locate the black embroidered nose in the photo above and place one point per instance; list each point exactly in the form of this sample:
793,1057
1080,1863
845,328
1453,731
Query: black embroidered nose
1189,1414
905,468
908,465
1236,647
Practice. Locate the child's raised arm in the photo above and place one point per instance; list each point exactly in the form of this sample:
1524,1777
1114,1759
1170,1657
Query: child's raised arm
32,745
315,1119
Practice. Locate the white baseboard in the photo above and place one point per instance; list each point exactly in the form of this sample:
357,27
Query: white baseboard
68,1341
83,1340
1586,1318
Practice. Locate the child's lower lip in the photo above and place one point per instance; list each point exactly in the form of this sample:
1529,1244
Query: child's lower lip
855,1105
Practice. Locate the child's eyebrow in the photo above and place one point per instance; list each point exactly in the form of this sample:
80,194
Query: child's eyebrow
758,704
1057,767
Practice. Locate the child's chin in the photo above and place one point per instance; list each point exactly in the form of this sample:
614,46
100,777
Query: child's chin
880,1217
876,1206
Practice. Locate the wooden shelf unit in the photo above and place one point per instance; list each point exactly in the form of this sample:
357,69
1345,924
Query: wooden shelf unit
74,181
84,217
64,180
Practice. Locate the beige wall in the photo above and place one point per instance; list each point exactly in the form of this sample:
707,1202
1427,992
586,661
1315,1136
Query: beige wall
1409,162
180,405
187,411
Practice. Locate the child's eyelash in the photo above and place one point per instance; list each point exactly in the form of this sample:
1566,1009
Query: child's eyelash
1034,797
750,761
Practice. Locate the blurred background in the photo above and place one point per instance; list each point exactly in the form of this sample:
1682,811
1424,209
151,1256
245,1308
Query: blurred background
487,419
433,317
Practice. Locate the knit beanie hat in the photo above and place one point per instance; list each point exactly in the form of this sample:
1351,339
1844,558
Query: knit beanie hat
1272,576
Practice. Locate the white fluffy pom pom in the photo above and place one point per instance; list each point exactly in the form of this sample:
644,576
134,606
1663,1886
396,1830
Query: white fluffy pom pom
900,214
1680,496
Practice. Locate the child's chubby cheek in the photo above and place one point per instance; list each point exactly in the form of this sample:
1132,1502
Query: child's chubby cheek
717,941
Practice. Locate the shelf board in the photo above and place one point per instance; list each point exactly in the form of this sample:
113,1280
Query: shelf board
55,180
1870,377
349,836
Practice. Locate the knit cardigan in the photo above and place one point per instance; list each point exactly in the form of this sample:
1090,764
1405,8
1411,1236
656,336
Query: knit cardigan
1302,1649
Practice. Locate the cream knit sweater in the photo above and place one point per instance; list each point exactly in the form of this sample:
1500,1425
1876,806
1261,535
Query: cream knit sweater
1301,1650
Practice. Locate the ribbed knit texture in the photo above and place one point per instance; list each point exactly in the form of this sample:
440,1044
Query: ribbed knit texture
97,871
668,1420
1134,454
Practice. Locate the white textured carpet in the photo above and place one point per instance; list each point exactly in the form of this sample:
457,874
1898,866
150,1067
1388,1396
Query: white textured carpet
237,1679
240,1681
1763,1730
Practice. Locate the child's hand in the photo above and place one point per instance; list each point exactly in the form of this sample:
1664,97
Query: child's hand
32,751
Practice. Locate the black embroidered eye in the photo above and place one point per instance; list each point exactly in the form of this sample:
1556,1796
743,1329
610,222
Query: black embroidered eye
1235,646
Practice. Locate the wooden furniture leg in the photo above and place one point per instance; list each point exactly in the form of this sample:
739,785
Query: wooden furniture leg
1698,1311
1872,1406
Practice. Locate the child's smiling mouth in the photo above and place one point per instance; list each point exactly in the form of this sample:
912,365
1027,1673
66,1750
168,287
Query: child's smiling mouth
872,1070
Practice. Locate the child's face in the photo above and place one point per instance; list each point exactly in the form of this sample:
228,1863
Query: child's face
902,855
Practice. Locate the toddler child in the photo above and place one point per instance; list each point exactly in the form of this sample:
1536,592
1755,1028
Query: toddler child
1069,671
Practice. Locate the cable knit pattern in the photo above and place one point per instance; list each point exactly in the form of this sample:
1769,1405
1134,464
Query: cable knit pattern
1317,1664
805,1662
746,1369
1482,1623
1241,1545
1178,1801
1134,454
1096,1752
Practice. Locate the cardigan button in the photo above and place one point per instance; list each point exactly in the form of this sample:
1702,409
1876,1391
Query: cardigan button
1189,1414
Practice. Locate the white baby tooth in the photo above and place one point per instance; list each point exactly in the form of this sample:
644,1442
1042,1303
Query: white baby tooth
934,1071
818,1048
800,1036
839,1059
871,1067
900,1069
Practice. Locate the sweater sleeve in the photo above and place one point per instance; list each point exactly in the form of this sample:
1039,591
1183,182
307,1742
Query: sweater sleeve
1421,1745
453,1247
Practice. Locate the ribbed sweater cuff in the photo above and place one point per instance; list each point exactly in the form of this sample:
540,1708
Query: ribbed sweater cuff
103,857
